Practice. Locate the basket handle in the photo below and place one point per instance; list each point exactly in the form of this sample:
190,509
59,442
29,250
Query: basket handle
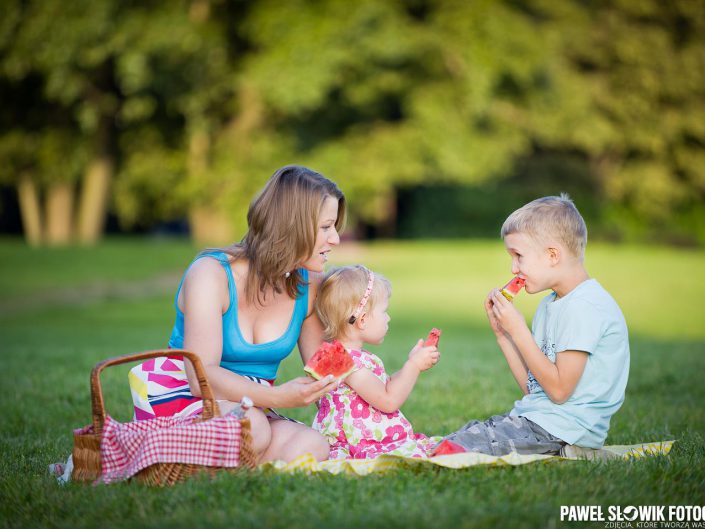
210,407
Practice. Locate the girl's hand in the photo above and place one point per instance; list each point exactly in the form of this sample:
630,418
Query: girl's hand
303,391
509,320
424,357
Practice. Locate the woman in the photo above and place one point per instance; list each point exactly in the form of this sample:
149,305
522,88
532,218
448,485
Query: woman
243,308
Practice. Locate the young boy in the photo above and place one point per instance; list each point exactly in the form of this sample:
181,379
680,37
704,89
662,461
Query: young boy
573,364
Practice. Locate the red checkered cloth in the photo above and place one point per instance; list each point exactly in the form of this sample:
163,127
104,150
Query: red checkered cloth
127,448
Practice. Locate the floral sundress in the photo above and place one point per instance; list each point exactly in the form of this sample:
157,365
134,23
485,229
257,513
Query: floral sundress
357,430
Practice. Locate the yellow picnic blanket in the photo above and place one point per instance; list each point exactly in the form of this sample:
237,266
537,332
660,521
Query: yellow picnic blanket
361,467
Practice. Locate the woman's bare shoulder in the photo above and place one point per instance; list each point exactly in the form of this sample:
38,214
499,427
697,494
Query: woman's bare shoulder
204,283
205,272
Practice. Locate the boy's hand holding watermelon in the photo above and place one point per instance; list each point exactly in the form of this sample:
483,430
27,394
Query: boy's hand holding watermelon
508,291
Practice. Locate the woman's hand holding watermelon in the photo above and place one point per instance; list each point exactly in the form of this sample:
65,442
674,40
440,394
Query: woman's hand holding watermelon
303,391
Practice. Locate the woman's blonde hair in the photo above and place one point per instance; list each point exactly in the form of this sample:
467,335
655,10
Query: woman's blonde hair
550,217
340,293
282,227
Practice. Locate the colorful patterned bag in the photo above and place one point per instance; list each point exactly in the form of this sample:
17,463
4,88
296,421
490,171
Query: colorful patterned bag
160,388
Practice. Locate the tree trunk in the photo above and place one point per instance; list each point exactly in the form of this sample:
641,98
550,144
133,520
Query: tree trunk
97,177
198,151
209,227
387,226
59,214
199,11
94,199
28,198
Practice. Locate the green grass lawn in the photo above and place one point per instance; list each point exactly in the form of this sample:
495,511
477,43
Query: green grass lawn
64,325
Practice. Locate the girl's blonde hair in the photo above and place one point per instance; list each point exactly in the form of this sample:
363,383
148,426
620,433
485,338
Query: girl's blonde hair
553,217
282,227
340,293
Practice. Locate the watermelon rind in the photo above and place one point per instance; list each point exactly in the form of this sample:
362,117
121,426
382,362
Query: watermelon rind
507,294
317,376
509,290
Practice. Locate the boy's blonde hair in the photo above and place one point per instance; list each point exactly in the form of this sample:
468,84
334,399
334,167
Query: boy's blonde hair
340,293
550,217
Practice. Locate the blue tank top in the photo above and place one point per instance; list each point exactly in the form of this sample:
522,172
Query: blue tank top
239,356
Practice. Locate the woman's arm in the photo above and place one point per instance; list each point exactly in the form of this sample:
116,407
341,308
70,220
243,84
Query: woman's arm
311,335
205,298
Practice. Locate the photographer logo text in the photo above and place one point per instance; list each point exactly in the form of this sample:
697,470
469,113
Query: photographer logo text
637,516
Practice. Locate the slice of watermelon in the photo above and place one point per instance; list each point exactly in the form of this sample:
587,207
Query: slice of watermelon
512,288
447,447
330,359
433,337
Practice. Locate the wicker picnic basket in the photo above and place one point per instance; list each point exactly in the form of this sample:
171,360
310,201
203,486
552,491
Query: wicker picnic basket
86,446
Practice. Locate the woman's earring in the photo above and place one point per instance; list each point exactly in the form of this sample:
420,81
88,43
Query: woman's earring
286,276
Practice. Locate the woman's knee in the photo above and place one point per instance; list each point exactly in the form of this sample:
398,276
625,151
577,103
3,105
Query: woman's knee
260,429
312,442
291,440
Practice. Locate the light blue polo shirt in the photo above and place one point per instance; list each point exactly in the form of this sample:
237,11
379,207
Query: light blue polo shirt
586,319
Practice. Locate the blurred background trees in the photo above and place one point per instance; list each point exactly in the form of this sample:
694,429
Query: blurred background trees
436,117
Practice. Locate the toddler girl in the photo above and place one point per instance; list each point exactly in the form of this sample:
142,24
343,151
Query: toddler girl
361,418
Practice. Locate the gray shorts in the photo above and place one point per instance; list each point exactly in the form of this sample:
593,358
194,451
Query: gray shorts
502,434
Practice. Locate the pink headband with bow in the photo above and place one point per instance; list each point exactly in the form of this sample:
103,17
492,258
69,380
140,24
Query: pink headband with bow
365,297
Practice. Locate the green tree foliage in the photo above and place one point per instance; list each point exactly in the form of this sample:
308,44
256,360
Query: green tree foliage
192,119
633,80
199,101
70,49
42,157
383,94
